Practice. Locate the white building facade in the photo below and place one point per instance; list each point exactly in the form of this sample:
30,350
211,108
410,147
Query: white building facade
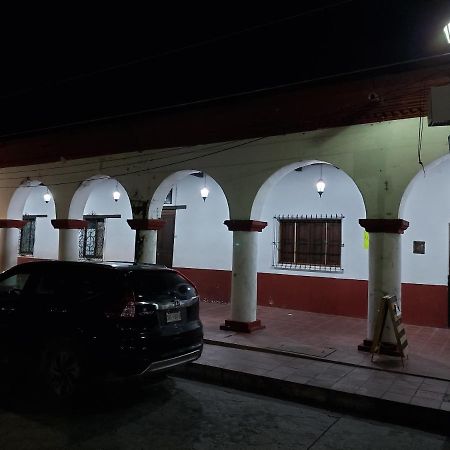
263,235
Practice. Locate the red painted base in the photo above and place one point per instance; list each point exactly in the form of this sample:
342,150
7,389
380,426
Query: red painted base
386,348
315,294
214,285
26,259
422,304
425,305
242,327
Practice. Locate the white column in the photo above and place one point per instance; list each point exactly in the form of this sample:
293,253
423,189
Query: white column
384,272
384,278
244,275
68,244
69,233
10,247
243,283
149,244
147,232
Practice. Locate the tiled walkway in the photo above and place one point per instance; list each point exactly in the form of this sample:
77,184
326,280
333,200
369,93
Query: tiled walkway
333,338
320,351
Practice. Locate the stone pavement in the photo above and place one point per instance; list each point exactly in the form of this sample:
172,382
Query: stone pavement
314,358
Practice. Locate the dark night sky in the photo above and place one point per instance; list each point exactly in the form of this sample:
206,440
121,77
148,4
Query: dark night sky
84,65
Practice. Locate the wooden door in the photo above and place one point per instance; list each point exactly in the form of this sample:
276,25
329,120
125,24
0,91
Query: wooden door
164,248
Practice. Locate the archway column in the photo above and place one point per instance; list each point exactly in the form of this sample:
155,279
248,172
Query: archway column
244,275
69,231
384,275
146,238
11,233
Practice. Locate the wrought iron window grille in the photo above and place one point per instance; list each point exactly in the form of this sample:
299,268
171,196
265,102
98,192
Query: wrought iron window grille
308,243
27,236
91,239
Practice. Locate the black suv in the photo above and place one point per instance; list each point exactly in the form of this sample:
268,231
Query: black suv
73,320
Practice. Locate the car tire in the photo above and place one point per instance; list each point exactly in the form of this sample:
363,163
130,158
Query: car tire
61,370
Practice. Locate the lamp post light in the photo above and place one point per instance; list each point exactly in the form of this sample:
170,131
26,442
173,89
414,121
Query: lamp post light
47,196
204,191
320,185
116,193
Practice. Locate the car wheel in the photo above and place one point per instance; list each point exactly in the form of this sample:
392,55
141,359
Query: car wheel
62,370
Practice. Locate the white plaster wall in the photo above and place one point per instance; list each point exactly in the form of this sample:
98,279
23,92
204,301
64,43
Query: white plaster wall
426,206
119,237
296,194
201,238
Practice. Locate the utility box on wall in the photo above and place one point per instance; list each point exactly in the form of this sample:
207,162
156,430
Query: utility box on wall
439,107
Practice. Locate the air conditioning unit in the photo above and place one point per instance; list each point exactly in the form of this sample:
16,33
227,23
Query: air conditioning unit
439,110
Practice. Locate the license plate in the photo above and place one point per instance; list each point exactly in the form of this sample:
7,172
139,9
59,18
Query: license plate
173,316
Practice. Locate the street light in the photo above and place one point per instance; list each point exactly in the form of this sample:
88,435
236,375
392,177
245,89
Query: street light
447,32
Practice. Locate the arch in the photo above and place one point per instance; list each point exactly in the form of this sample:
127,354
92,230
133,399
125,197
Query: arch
419,174
22,194
28,200
289,203
425,204
271,181
161,192
94,198
84,191
276,177
202,244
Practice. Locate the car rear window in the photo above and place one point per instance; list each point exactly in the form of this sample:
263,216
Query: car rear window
160,285
75,285
14,282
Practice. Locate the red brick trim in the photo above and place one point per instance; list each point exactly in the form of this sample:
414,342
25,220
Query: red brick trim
245,225
12,223
242,327
69,224
384,225
146,224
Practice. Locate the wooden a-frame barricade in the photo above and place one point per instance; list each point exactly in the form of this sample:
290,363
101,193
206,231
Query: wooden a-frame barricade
388,305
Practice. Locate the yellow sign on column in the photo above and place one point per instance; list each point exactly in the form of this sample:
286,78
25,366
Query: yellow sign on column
366,240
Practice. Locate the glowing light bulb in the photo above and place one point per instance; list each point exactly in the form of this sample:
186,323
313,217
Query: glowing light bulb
116,195
204,193
320,185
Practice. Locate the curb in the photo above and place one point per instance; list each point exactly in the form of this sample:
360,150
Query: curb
427,419
314,358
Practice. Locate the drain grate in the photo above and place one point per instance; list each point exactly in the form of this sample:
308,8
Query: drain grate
310,350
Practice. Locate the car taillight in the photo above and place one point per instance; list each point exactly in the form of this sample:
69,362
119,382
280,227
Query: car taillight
130,306
189,281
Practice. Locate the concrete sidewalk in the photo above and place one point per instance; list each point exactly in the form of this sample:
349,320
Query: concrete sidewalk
314,358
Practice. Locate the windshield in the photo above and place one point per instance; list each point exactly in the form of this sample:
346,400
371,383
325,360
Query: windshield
161,285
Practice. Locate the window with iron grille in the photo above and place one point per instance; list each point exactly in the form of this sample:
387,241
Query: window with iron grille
26,240
169,198
91,239
309,243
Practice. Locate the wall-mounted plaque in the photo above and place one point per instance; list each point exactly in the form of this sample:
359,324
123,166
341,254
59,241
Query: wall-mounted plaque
419,247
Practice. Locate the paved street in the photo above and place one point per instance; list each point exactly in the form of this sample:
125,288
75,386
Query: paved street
182,414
